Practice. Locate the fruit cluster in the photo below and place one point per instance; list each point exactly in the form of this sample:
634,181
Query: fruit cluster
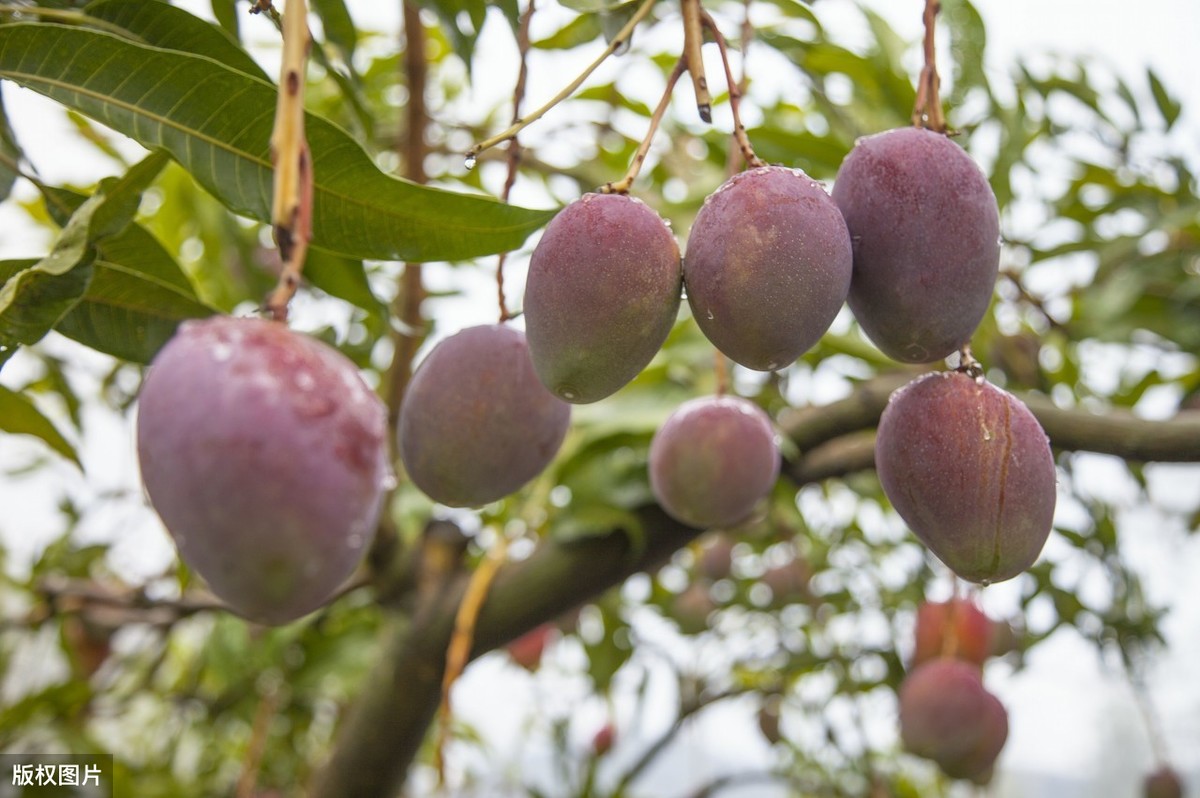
946,714
240,418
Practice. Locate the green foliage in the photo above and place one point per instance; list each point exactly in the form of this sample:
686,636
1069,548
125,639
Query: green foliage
19,416
1097,306
221,137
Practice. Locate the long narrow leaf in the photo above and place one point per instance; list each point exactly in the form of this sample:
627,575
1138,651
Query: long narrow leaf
35,299
10,155
163,25
216,122
19,416
127,314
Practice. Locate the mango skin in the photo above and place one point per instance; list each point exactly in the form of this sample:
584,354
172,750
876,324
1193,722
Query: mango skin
265,455
969,469
604,288
971,627
713,460
476,424
926,235
947,715
768,266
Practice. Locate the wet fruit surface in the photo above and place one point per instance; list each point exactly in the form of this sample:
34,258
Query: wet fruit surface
265,454
476,423
926,236
604,288
969,469
768,266
713,460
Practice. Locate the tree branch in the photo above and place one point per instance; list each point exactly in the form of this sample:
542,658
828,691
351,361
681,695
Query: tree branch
1115,431
384,730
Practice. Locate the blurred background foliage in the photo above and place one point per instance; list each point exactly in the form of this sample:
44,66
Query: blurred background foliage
810,614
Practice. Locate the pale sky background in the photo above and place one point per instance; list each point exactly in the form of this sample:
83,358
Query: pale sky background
1074,727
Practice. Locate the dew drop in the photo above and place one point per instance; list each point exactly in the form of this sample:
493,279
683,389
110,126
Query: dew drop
470,161
710,314
354,541
305,381
222,352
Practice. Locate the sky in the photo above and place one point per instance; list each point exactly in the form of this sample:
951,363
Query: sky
1075,726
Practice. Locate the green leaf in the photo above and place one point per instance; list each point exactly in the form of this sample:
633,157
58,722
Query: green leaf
135,246
593,6
343,278
33,300
225,12
221,135
128,314
10,155
581,30
339,26
1168,106
163,25
19,416
463,37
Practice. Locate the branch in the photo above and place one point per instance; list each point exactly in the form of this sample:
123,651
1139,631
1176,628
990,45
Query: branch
735,94
291,208
623,185
839,438
66,596
686,710
693,39
617,42
513,158
927,110
385,728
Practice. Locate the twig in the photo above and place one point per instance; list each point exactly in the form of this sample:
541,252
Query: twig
623,185
686,710
1150,719
693,40
461,641
734,160
736,779
722,372
514,146
735,97
264,7
291,210
617,42
268,705
67,596
63,15
407,336
927,111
